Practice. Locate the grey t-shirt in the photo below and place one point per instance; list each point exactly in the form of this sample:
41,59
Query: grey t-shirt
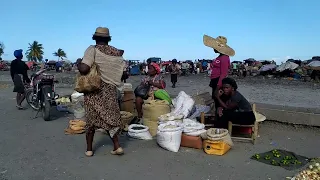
243,104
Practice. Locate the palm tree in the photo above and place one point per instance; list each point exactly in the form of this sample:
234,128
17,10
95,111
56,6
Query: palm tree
1,49
35,52
60,54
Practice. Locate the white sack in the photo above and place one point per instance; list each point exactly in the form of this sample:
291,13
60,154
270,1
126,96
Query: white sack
190,125
196,133
169,138
183,104
142,134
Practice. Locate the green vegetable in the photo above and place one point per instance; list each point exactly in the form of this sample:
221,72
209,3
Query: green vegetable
274,162
257,156
267,157
277,155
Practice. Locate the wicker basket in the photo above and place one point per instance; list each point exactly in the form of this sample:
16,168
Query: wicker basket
126,118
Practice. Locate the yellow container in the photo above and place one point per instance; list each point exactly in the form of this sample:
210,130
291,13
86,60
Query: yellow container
215,147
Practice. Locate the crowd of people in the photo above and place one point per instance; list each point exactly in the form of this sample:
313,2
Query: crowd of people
101,105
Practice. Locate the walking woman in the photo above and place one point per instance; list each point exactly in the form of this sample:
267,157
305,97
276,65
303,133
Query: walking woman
219,66
102,109
174,70
19,75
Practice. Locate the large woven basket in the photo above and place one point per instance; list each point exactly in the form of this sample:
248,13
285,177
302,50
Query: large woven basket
126,118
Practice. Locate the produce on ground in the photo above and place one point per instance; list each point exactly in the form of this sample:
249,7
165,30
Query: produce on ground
285,159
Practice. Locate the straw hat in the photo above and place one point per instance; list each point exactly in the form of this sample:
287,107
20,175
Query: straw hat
102,32
219,44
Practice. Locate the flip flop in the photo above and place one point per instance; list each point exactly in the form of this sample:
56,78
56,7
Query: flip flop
119,151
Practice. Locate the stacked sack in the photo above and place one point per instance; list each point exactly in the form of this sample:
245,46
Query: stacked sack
152,109
191,134
75,127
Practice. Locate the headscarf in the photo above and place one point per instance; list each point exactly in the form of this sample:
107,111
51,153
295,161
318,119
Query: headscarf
230,81
18,53
156,67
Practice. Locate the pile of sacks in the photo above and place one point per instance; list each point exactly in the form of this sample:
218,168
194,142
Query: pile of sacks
174,129
75,127
172,135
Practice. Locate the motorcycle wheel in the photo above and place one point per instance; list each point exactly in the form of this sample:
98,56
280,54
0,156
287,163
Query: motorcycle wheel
29,97
46,106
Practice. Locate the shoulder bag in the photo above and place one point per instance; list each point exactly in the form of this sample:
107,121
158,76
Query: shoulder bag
89,82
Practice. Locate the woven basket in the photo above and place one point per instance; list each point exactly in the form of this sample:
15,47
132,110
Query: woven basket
126,118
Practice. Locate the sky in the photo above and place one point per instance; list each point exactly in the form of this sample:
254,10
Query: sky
264,30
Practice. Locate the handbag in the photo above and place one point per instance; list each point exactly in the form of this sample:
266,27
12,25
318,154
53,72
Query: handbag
89,82
142,91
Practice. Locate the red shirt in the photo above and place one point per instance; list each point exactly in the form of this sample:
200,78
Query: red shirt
219,68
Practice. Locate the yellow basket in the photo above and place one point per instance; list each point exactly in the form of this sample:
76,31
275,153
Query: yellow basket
215,147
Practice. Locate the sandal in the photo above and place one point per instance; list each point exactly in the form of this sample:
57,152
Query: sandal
89,153
19,107
119,151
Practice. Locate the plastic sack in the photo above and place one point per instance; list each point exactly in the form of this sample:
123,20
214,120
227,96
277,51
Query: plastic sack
198,109
163,95
170,117
142,91
196,133
183,104
191,126
142,134
169,136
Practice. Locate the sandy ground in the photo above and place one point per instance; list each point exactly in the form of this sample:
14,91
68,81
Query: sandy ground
255,89
38,150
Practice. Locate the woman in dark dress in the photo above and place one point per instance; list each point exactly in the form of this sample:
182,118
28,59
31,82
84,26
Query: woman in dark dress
19,75
233,106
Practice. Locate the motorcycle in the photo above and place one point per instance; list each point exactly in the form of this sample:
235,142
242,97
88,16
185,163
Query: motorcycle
41,95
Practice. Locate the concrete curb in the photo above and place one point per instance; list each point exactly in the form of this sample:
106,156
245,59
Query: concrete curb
286,115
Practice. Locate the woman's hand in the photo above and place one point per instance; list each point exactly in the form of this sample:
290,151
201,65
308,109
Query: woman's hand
220,111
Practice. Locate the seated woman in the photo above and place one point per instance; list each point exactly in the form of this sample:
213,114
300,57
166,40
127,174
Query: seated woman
233,107
154,80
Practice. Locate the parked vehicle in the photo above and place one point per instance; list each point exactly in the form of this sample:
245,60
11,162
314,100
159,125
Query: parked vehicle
41,94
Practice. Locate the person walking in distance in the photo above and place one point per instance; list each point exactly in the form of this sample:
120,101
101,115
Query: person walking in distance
174,69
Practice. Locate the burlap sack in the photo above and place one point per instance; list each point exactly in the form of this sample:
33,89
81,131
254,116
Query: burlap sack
153,109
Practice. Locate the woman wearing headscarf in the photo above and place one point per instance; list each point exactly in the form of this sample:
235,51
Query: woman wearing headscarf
220,66
233,107
102,109
154,80
19,75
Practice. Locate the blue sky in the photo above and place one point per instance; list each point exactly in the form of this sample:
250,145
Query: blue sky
167,29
